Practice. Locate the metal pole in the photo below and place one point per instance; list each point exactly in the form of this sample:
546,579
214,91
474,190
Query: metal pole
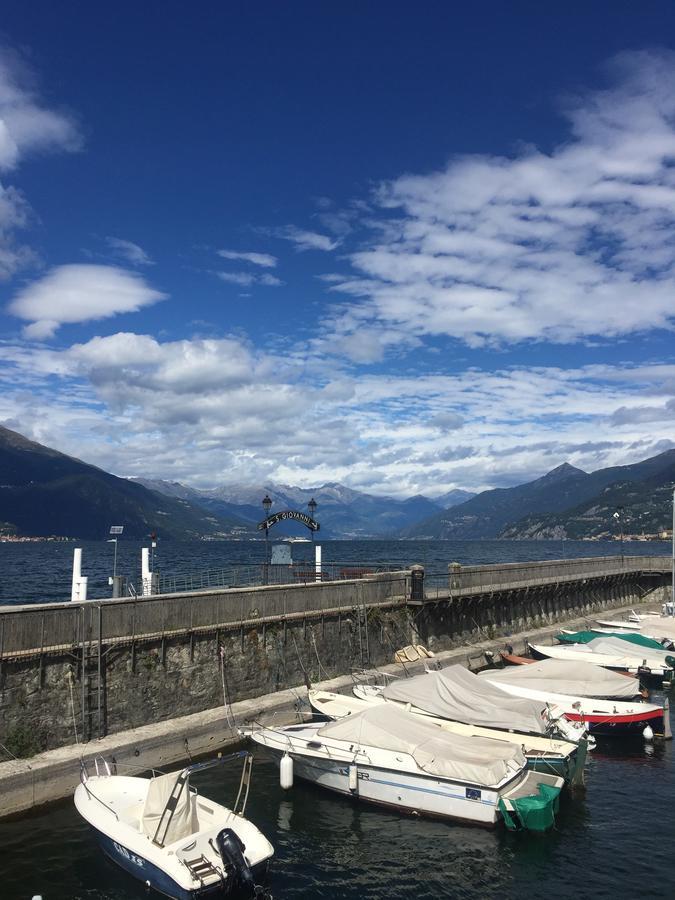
115,560
267,555
672,584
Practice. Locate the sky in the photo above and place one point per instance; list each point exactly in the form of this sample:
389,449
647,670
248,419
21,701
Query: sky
404,247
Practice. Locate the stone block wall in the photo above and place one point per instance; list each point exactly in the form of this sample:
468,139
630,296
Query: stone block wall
41,699
453,621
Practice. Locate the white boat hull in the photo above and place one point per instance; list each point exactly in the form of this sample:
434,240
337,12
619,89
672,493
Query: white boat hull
638,664
113,806
604,718
543,754
393,779
402,791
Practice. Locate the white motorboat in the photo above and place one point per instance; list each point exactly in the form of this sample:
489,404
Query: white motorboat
619,626
603,718
653,625
172,839
543,754
458,695
557,676
612,653
392,758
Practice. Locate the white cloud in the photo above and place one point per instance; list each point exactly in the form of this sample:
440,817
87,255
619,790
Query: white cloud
79,293
26,126
246,279
266,260
307,240
209,411
129,251
557,247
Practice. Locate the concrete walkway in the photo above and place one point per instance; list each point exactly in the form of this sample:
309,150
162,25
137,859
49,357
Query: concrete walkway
53,775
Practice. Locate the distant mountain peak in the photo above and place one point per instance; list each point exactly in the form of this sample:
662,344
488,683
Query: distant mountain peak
563,471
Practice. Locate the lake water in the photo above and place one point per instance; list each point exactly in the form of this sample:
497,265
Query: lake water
42,571
615,840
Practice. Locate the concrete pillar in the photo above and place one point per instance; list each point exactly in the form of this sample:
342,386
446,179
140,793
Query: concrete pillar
454,577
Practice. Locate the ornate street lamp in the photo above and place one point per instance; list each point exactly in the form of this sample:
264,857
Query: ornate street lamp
311,506
267,505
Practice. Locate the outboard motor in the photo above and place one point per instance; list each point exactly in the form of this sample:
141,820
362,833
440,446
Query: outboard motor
231,851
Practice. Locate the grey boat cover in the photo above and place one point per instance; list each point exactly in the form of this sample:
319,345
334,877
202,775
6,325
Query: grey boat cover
458,695
560,676
387,727
612,646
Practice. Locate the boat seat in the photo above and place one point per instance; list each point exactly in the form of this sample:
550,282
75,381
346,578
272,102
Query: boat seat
133,815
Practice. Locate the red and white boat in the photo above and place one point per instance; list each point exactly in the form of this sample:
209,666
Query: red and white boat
602,717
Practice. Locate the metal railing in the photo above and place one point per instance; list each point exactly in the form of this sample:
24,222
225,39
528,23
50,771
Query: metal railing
41,628
237,576
462,581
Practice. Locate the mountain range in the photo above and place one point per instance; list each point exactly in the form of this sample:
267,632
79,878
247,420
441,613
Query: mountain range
566,502
44,492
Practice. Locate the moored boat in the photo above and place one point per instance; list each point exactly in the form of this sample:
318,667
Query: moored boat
555,676
388,757
543,754
603,718
166,835
458,695
512,659
631,638
611,654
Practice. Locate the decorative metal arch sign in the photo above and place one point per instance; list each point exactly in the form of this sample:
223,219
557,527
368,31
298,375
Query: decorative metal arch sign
287,514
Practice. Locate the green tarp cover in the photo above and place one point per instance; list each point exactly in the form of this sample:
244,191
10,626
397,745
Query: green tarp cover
583,637
534,813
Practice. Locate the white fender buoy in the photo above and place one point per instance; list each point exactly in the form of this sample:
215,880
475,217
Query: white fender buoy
667,730
353,778
286,772
648,733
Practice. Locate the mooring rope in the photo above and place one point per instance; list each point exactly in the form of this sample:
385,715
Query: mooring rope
316,652
9,752
226,691
72,706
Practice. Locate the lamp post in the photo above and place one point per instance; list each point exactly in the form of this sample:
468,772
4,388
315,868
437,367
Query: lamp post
267,505
311,506
116,530
672,584
619,515
114,541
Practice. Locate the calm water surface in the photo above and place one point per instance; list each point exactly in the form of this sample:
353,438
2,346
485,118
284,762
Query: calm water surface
616,840
42,572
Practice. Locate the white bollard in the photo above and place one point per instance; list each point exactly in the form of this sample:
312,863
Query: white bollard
317,563
78,590
146,574
77,574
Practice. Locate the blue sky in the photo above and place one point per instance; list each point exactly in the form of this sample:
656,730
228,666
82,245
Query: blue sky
407,247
